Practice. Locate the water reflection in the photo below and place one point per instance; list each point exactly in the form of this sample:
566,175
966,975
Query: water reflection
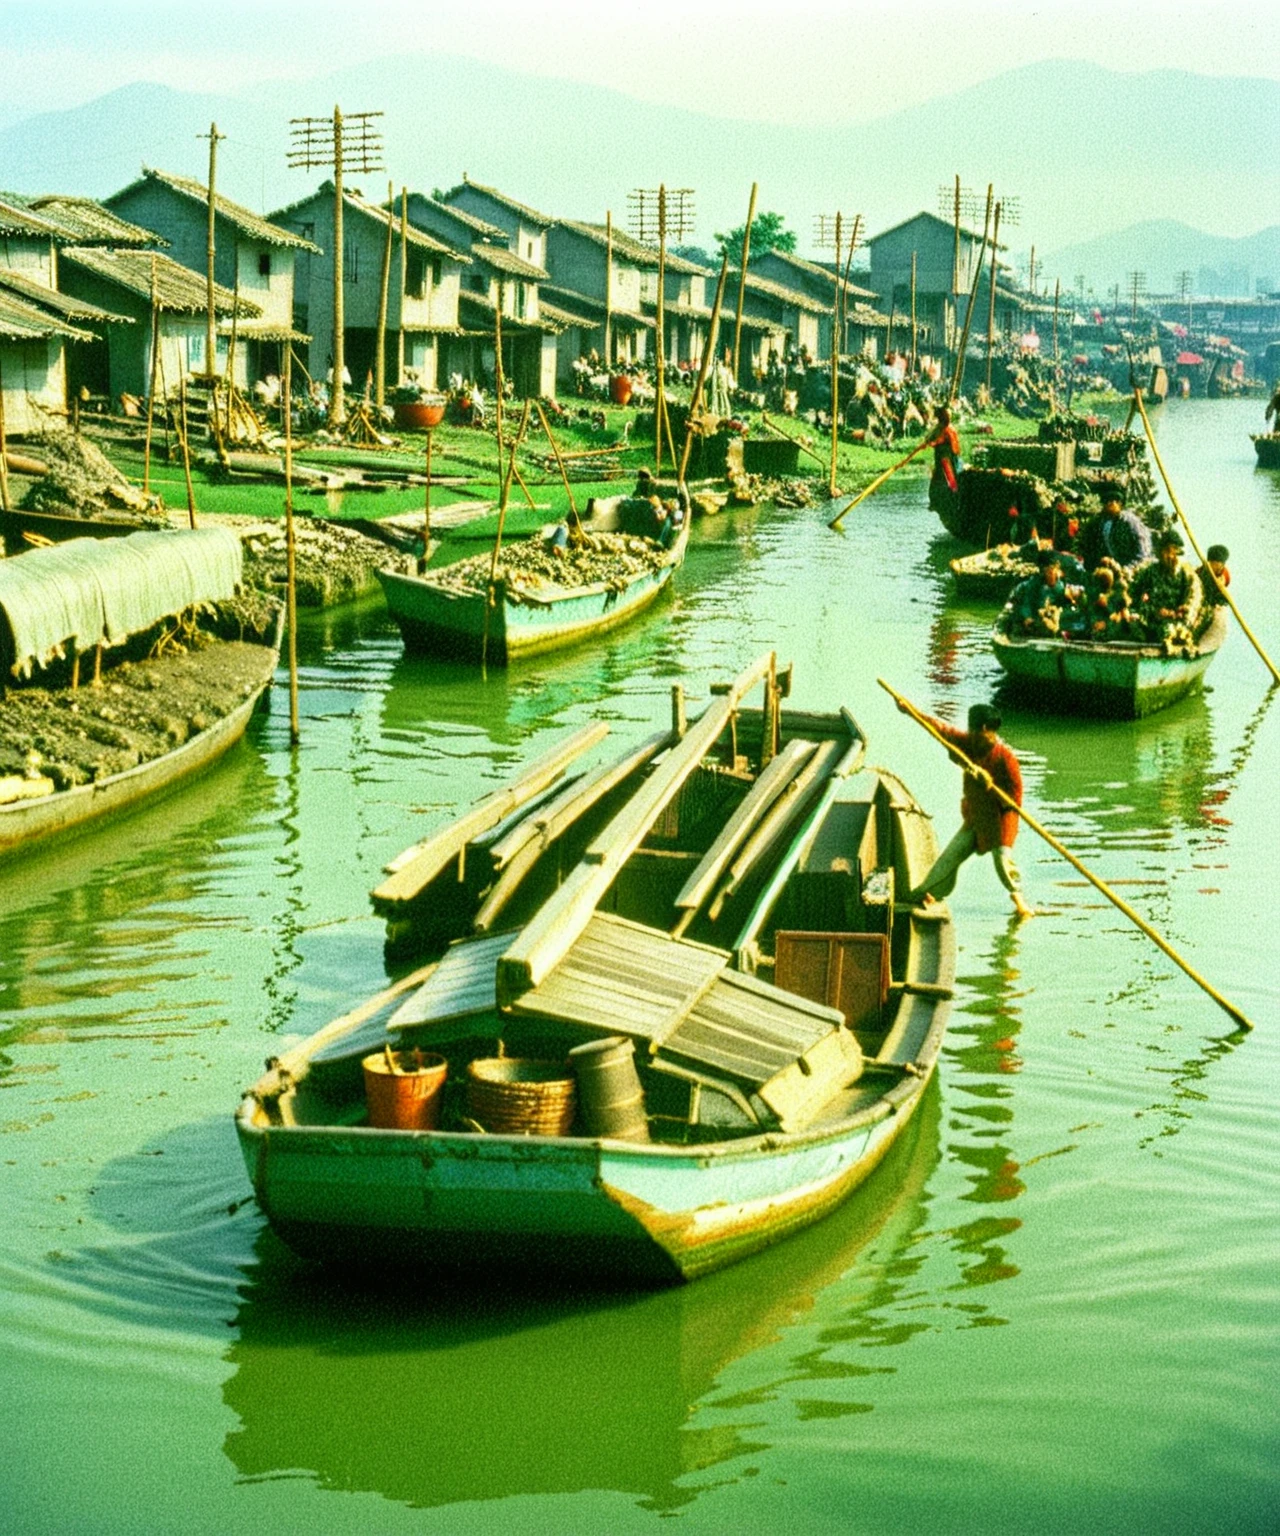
502,1391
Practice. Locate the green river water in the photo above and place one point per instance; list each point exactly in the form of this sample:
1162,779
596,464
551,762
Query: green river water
1053,1309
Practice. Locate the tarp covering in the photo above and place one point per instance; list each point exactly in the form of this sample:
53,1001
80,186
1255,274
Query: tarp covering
91,591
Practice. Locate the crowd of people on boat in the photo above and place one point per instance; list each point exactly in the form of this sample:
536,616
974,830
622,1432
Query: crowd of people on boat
1115,588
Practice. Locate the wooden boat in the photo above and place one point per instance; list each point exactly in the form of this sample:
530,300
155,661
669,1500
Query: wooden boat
734,921
1267,446
1118,678
521,621
989,574
57,528
47,811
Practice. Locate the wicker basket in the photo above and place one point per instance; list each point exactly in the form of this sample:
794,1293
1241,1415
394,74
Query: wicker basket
515,1096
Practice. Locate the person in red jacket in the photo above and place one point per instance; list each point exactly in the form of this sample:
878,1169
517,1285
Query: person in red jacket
988,824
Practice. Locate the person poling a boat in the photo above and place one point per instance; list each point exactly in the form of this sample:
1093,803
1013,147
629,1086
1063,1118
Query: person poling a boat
945,443
988,824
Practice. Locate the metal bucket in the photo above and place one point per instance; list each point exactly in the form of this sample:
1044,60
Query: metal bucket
610,1098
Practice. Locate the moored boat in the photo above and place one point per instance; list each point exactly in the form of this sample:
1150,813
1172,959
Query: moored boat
990,574
177,592
439,613
734,925
1267,446
1117,678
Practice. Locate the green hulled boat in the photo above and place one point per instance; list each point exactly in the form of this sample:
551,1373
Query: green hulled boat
1267,446
734,925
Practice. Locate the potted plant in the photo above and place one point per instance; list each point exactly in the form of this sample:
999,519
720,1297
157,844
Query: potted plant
416,409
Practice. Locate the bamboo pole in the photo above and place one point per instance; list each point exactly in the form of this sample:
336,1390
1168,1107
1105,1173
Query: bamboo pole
742,286
1057,295
4,449
210,324
231,346
955,249
426,504
337,401
991,298
957,378
404,283
837,337
384,293
186,447
878,482
911,367
1182,517
803,447
708,353
151,386
497,539
290,547
660,340
608,291
564,473
908,708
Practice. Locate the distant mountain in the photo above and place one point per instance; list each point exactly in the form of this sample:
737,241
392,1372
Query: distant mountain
1162,249
1086,150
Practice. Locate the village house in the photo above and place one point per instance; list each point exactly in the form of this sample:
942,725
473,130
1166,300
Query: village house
497,272
252,257
422,295
39,372
156,293
525,228
775,319
598,286
866,327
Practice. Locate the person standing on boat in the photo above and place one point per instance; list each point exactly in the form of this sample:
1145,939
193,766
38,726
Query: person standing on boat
1165,595
946,450
1116,534
988,824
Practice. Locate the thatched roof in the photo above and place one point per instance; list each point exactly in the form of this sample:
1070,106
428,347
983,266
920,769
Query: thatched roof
487,309
260,330
530,214
20,321
86,222
477,227
507,262
637,252
813,269
973,236
765,287
252,225
381,216
574,308
16,220
177,288
57,303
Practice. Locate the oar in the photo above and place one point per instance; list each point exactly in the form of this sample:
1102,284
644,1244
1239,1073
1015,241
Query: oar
908,708
879,481
1164,475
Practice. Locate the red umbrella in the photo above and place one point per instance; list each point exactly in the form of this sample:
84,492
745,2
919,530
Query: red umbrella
1189,359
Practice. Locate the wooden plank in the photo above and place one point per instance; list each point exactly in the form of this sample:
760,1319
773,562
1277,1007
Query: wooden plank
516,854
416,867
755,803
461,984
562,918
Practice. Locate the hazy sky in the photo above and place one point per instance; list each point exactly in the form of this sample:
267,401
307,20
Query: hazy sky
807,61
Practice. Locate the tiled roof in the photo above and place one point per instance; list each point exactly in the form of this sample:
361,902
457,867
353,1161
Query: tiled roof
509,322
779,291
20,321
814,269
523,209
380,216
177,288
86,222
478,226
253,225
579,309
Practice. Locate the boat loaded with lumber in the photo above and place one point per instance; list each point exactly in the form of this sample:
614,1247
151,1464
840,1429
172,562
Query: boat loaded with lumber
1267,446
544,596
125,665
1117,678
689,1042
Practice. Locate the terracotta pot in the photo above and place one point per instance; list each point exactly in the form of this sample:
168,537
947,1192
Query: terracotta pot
620,388
407,1099
419,415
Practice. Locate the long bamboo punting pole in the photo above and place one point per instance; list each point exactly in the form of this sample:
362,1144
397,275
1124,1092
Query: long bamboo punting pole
384,294
804,447
833,490
708,353
878,482
186,447
4,450
564,473
957,378
742,285
290,547
909,709
911,366
1182,517
151,385
991,298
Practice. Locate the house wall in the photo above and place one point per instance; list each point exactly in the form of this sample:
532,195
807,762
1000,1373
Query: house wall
34,259
34,375
526,240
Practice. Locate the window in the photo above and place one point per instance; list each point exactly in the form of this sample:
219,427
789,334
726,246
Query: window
351,265
264,263
436,270
415,274
478,283
522,297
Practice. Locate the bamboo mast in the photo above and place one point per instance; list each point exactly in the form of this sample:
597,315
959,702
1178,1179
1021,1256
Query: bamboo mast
384,292
290,547
957,378
1182,517
404,283
608,291
708,355
564,473
742,286
503,497
909,709
991,298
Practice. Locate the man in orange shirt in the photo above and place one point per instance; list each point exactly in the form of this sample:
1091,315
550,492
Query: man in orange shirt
988,824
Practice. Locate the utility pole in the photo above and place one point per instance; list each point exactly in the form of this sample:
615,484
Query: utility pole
1137,288
332,145
674,212
991,303
1184,293
210,339
742,282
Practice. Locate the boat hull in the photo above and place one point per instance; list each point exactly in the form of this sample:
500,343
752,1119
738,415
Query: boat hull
66,810
1116,680
602,1208
1267,447
437,621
